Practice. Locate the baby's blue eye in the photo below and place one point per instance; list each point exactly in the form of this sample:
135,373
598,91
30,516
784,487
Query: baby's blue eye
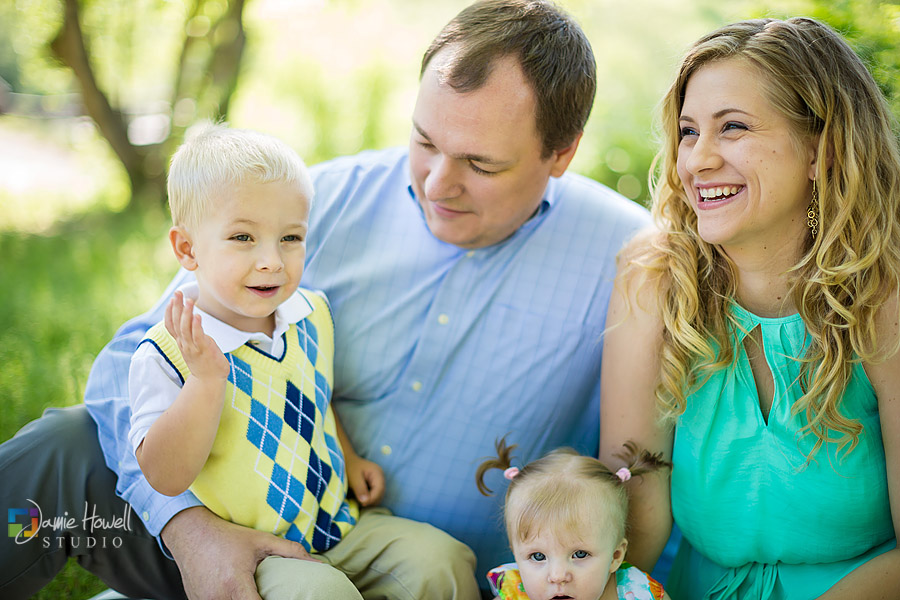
537,556
580,554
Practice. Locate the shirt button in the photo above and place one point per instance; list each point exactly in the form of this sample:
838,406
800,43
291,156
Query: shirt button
145,515
470,254
416,386
386,450
443,319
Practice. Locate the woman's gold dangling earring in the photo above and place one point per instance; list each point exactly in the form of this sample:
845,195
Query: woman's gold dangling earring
812,213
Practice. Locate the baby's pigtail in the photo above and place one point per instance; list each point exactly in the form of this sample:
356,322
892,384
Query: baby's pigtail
639,461
501,461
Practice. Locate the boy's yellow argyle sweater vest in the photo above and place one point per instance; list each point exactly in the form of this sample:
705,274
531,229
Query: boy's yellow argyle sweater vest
276,464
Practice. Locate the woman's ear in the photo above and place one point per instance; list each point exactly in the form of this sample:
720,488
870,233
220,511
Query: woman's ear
183,247
816,154
618,556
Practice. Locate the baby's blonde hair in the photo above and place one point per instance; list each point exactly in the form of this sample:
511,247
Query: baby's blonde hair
214,157
559,489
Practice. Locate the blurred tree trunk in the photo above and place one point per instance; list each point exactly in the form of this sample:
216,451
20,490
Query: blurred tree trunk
203,82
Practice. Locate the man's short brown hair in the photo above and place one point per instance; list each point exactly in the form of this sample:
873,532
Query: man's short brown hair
551,48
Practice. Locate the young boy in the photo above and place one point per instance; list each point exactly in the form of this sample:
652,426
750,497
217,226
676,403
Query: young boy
231,394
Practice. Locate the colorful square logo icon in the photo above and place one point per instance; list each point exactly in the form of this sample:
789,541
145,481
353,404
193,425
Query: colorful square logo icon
18,516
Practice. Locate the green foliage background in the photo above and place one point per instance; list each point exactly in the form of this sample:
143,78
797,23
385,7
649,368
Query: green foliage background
330,78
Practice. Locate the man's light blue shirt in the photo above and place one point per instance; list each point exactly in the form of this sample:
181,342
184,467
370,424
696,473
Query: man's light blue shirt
439,351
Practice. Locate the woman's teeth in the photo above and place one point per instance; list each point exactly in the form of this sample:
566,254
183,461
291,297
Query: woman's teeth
717,193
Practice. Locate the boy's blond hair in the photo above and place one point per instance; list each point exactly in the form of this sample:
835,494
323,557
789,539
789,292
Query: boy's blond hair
214,157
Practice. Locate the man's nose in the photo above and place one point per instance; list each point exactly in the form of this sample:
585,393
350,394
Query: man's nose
443,179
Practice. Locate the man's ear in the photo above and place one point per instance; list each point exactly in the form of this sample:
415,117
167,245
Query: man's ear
183,247
562,158
618,556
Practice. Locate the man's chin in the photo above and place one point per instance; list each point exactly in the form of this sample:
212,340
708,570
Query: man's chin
450,234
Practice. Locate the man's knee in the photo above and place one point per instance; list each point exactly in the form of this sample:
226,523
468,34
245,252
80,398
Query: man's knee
279,578
445,549
58,434
439,566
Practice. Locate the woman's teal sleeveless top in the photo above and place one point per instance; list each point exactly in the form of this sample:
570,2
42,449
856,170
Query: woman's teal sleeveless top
758,521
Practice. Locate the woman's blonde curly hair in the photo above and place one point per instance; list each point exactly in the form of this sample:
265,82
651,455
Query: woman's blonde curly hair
846,272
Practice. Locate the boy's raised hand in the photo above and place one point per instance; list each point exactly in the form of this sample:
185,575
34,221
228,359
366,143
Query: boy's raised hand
203,357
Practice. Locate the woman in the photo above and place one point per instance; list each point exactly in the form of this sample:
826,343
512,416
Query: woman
753,338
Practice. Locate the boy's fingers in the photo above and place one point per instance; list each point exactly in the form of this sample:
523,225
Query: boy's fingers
187,318
177,309
170,323
197,330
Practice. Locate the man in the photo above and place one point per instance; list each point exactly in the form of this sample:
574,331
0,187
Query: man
469,277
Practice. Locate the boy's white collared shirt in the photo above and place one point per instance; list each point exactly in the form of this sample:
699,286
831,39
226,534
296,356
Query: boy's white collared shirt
154,384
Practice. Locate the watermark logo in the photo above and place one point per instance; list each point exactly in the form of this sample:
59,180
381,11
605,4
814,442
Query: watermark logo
31,516
25,524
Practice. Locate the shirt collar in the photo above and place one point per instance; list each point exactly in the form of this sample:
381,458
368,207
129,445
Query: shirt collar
227,338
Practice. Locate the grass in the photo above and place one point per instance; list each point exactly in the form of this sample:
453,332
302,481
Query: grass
64,295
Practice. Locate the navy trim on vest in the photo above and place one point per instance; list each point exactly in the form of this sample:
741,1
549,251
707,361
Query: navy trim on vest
266,354
163,354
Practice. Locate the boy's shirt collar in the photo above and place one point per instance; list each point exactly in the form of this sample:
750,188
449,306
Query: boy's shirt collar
227,338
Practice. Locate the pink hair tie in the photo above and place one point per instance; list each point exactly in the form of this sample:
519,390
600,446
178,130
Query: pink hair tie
511,472
624,474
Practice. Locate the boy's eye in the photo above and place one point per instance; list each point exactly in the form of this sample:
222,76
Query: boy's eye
241,237
580,554
537,556
292,238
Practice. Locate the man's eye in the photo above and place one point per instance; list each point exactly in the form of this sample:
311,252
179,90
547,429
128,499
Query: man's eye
537,556
479,170
580,554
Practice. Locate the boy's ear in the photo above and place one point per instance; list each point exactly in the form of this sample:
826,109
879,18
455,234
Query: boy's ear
183,247
618,556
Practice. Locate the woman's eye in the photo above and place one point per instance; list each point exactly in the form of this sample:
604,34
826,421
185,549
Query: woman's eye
537,556
732,125
580,554
686,131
